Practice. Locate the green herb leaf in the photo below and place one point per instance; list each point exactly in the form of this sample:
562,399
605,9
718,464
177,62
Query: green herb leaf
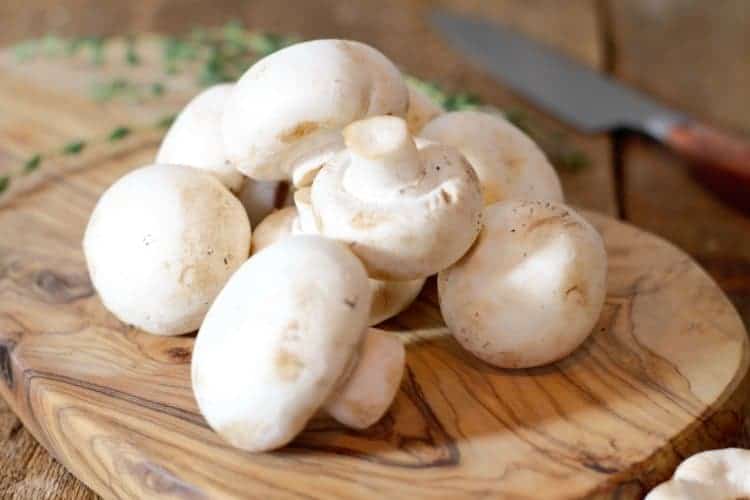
73,147
26,50
131,55
4,183
32,163
96,45
52,45
267,43
109,90
119,133
166,121
157,89
461,101
74,45
573,161
519,118
213,71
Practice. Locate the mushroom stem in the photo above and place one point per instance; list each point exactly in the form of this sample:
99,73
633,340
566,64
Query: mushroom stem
384,157
305,216
314,153
371,387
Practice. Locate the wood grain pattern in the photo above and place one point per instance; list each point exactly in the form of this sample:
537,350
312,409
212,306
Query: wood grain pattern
422,429
26,470
658,379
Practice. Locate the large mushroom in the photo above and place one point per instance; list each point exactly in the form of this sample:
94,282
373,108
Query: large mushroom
285,116
532,287
194,139
406,212
160,244
711,475
509,164
284,338
388,297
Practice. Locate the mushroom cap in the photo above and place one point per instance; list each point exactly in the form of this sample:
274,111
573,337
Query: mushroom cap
405,212
277,225
260,198
388,297
285,116
160,244
711,475
421,110
531,288
194,139
278,340
371,387
509,164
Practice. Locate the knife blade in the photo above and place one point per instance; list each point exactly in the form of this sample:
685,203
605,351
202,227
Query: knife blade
569,90
594,102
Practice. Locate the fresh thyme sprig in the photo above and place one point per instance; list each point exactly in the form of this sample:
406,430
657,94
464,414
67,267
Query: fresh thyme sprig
216,55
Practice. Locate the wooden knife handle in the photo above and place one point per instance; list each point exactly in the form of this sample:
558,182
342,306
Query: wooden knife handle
720,160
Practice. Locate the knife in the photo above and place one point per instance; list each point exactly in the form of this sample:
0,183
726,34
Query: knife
593,102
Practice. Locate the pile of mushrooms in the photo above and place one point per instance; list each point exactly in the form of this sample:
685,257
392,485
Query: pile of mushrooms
358,188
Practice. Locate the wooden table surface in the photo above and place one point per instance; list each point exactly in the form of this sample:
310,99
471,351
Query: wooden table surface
693,54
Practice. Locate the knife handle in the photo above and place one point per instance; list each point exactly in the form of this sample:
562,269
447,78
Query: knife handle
719,160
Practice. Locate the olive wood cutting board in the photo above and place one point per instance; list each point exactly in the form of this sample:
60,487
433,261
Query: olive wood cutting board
663,375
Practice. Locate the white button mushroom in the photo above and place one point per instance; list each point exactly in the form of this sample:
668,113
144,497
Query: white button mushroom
711,475
160,244
277,225
422,109
388,297
406,212
194,139
372,386
279,339
532,287
285,116
509,164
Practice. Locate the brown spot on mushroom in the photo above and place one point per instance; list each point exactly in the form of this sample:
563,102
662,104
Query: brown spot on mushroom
367,220
447,196
288,365
299,131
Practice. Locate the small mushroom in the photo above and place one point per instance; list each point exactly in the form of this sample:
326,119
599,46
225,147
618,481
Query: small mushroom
287,336
421,110
509,164
531,288
277,225
388,297
284,118
160,244
194,139
374,382
406,212
711,475
278,340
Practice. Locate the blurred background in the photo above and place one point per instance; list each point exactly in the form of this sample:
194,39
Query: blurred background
694,55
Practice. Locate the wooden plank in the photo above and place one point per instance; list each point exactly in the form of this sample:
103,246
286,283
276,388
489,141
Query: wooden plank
693,55
397,27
